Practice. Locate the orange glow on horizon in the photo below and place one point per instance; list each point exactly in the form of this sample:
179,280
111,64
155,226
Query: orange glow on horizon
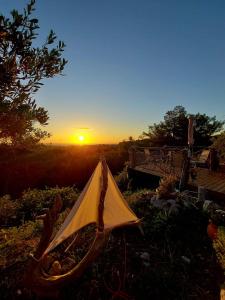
79,139
87,135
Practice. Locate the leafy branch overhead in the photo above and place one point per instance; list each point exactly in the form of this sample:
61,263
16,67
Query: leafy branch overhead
22,69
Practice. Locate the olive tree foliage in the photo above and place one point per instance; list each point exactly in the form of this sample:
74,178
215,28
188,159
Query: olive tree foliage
173,130
22,69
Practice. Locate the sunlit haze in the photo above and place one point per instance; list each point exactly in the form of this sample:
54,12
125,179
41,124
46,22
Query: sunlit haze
129,62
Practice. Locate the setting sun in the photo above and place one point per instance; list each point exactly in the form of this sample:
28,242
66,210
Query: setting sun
80,136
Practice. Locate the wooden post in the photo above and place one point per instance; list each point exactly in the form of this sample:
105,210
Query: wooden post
132,160
185,171
201,193
213,160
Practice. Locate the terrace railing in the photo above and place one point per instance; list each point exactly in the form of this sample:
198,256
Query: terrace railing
162,160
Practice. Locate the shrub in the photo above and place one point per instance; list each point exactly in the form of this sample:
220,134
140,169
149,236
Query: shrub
219,246
177,248
8,210
166,187
34,201
17,242
219,145
139,196
122,180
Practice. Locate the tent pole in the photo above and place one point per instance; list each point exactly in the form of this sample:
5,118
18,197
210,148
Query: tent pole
72,243
104,186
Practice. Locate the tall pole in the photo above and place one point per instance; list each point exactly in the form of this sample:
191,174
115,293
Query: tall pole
191,124
187,155
104,186
185,171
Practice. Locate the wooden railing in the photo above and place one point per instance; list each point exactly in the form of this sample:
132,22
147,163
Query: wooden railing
165,160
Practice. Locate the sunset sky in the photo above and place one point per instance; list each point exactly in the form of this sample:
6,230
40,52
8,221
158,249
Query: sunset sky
129,62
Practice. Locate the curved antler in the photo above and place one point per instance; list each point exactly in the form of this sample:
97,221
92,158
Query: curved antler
49,221
41,282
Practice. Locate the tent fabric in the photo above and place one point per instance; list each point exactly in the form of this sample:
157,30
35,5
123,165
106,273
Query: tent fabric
85,211
116,212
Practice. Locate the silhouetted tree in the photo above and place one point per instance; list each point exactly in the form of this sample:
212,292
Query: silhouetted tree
22,68
173,130
219,145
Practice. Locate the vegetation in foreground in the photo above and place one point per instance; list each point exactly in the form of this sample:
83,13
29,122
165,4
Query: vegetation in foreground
174,259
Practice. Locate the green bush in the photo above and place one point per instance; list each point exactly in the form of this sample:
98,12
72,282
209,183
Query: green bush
219,246
17,242
219,145
122,180
8,210
168,262
33,202
139,197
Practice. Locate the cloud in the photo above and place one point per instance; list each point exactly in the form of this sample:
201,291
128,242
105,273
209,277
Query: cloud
84,128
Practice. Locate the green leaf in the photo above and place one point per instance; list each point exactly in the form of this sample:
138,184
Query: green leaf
22,67
34,20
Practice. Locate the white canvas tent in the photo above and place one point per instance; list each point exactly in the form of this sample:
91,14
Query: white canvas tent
116,211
